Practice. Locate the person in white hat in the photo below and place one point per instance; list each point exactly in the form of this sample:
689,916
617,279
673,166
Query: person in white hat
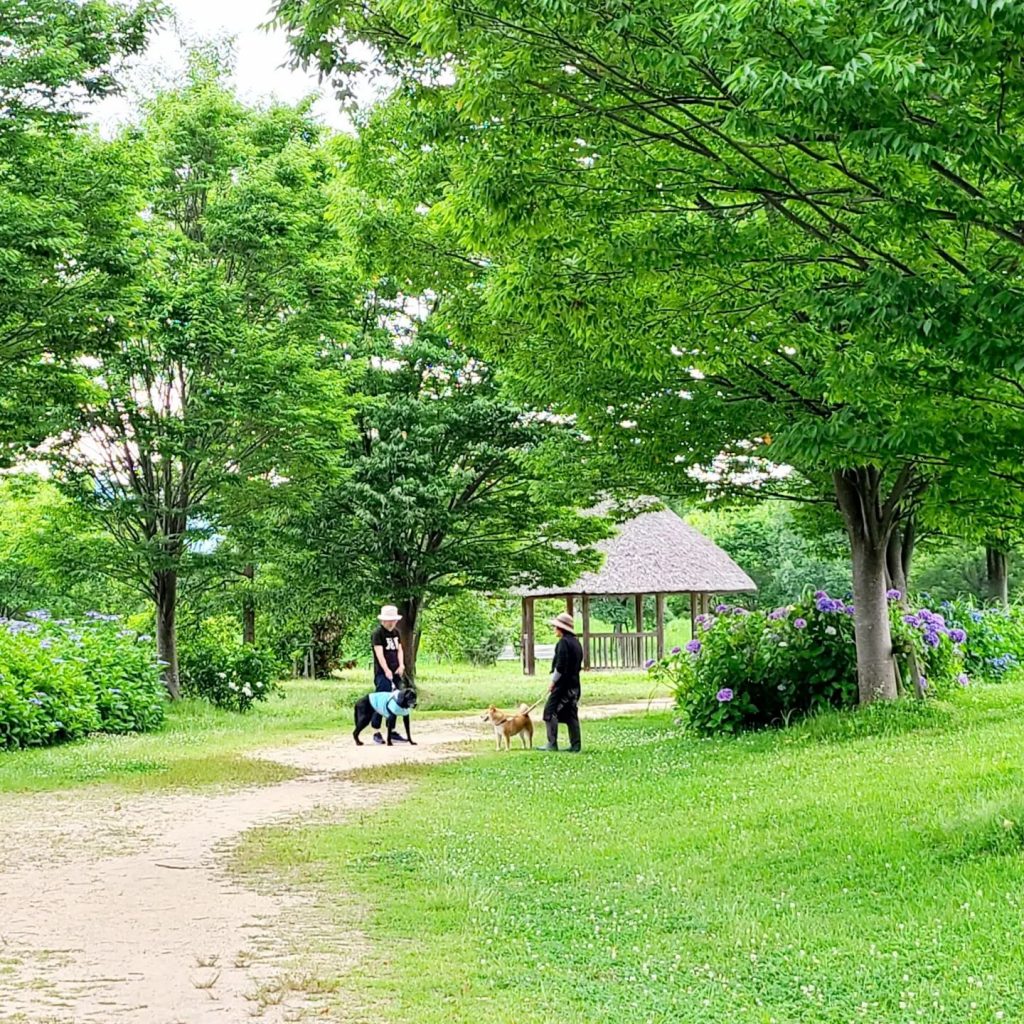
388,660
563,704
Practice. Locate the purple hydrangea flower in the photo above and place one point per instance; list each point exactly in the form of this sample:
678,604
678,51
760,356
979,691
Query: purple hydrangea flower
924,683
819,594
958,636
779,613
893,594
676,650
724,695
931,639
799,623
694,646
720,608
649,663
963,679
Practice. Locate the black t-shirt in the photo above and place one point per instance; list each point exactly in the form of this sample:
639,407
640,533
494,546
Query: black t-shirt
388,639
568,661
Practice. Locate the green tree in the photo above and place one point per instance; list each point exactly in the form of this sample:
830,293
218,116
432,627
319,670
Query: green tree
779,234
50,553
223,378
446,487
65,219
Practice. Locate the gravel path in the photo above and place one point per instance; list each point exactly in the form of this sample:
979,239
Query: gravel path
117,907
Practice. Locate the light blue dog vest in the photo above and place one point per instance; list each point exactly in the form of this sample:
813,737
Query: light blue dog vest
385,704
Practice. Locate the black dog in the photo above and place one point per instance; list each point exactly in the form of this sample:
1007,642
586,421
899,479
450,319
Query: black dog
364,712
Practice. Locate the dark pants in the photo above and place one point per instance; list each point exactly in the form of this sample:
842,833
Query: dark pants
381,684
563,706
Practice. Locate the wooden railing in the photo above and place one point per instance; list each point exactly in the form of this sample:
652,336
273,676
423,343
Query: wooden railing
622,650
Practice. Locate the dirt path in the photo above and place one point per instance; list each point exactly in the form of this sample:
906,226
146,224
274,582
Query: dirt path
117,908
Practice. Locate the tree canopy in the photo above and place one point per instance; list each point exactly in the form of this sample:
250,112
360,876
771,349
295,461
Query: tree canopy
777,233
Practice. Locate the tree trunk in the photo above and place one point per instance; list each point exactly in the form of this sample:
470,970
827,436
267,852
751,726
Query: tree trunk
898,556
249,607
998,576
166,591
409,634
869,522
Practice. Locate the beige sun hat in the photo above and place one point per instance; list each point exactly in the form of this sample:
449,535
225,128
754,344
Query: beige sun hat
565,622
389,613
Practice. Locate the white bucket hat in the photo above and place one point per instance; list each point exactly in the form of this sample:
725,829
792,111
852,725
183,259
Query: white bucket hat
389,613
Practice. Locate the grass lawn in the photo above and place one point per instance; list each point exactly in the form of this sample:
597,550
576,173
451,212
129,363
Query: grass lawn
865,867
200,745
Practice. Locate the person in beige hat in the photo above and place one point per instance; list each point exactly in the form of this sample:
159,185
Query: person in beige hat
563,704
388,660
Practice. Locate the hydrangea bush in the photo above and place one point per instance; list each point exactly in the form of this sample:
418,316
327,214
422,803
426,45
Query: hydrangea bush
218,667
996,645
749,669
60,680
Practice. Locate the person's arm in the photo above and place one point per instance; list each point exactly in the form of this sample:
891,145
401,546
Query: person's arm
401,659
378,653
557,665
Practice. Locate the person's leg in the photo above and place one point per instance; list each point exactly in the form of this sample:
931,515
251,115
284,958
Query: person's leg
551,709
571,717
381,684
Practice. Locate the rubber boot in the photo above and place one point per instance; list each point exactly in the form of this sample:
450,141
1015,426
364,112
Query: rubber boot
574,736
552,727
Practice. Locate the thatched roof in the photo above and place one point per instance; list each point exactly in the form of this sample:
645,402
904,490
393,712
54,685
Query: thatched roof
657,553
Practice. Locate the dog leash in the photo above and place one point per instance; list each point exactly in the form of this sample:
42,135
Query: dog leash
533,705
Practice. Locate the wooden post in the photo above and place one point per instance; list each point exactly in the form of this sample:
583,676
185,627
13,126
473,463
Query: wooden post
694,598
586,631
659,615
529,654
638,606
570,605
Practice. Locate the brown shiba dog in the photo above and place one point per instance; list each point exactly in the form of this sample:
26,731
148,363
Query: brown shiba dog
506,726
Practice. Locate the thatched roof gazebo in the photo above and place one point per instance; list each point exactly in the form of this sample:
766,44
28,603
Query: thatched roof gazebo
657,554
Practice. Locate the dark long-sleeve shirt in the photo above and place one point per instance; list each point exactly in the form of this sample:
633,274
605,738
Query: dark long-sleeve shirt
567,663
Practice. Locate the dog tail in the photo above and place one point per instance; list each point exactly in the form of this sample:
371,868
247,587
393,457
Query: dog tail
523,708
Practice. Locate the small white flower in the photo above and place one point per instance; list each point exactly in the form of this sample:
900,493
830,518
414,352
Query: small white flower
232,686
247,690
830,630
222,675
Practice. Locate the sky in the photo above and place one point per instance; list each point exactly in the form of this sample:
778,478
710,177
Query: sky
260,59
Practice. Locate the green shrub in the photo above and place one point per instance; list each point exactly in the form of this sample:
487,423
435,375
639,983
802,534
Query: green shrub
751,669
60,680
995,644
214,664
467,628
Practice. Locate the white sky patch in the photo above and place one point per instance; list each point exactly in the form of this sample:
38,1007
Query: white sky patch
261,62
